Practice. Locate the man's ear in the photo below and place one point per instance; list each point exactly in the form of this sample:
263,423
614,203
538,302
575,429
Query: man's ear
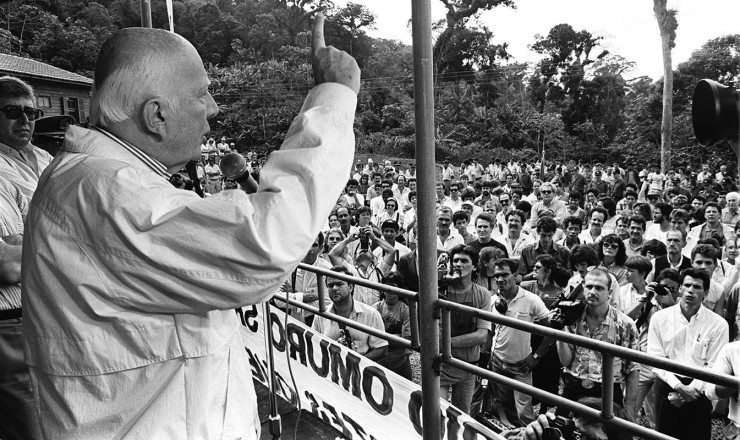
155,115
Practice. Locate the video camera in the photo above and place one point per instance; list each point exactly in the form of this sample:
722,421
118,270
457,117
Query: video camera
570,308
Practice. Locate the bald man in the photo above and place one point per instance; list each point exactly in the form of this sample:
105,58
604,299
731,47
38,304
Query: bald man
130,328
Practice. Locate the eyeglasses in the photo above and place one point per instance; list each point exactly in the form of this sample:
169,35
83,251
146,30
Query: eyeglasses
453,189
16,111
611,245
504,202
546,192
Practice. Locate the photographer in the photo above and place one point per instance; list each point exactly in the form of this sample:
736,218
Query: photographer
365,264
601,321
550,427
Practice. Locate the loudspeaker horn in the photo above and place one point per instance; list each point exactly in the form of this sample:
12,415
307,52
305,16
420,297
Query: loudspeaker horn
715,112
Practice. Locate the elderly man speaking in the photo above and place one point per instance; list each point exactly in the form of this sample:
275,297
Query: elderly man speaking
130,284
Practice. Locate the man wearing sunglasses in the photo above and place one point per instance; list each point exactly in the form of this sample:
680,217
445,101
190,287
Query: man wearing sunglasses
129,324
548,203
20,162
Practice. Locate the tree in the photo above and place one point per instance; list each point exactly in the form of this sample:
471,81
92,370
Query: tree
667,23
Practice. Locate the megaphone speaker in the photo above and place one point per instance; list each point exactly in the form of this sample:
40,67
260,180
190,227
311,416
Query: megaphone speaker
714,112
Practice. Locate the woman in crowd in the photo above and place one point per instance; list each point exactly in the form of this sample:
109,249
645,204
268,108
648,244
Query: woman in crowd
397,322
488,255
333,237
364,184
390,213
543,285
612,254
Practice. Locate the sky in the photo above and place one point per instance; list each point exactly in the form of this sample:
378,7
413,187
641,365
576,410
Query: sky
629,27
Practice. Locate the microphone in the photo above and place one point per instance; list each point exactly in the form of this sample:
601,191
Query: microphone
234,166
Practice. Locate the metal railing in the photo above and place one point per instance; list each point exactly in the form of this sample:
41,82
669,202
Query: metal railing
444,308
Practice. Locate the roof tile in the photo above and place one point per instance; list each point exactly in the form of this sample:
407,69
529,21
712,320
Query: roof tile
25,66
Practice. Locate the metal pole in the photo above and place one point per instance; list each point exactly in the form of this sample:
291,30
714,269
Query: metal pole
146,13
421,27
275,425
607,386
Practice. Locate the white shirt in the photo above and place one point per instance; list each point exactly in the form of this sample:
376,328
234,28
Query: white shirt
21,172
728,362
149,291
514,249
694,343
655,233
586,237
452,240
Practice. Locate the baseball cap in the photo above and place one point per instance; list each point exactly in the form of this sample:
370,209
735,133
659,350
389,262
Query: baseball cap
390,224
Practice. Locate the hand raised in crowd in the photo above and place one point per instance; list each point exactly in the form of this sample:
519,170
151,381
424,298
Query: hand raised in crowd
331,64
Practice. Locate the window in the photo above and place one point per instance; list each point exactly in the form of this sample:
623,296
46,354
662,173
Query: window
44,101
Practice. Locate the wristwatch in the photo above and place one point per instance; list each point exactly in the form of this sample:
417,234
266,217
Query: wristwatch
535,355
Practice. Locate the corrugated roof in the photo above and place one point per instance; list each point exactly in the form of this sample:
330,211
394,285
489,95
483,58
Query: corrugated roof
25,66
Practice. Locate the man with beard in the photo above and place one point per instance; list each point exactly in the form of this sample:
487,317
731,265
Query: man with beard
661,222
344,305
600,321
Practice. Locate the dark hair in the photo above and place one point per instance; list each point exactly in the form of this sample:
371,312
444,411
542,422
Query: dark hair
629,192
361,210
518,212
644,210
460,215
352,182
610,205
470,252
655,247
621,250
714,205
639,263
524,206
611,432
583,253
593,191
640,220
575,195
624,219
665,209
716,240
668,274
394,278
696,273
513,265
572,220
599,210
486,217
700,198
467,193
386,193
680,214
546,224
706,250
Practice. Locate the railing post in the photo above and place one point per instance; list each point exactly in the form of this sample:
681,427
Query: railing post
607,386
421,26
414,321
446,334
321,288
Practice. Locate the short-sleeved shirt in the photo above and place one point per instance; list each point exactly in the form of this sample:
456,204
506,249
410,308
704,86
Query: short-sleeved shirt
510,344
361,313
463,323
13,211
618,329
23,169
531,252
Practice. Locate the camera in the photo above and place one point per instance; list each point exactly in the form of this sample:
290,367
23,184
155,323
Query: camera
561,427
659,289
569,308
364,240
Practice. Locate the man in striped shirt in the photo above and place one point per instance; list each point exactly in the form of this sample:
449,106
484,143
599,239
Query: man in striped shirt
18,418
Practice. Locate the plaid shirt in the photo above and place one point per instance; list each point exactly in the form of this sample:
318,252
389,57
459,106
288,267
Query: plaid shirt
617,328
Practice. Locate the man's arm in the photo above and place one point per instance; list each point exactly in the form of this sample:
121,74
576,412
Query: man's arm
565,351
335,255
10,259
469,339
375,354
630,395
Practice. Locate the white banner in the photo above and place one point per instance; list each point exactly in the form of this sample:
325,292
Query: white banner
356,396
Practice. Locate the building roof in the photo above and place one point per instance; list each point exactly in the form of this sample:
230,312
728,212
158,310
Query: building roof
36,69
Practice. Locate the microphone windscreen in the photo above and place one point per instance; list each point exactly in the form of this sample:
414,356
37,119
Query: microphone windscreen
233,166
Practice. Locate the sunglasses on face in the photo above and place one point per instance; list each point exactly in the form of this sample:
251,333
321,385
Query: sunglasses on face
14,112
546,192
611,246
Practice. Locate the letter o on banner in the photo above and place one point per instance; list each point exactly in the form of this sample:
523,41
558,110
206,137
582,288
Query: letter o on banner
386,403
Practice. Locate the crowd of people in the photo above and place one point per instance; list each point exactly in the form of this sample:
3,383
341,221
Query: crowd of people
652,259
117,288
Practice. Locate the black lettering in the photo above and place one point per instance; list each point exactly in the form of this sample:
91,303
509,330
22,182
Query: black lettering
240,314
249,320
356,426
314,405
256,367
278,344
323,345
415,413
296,342
385,406
336,421
348,372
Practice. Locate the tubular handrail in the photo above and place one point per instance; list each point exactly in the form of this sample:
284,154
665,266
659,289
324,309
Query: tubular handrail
445,307
604,347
